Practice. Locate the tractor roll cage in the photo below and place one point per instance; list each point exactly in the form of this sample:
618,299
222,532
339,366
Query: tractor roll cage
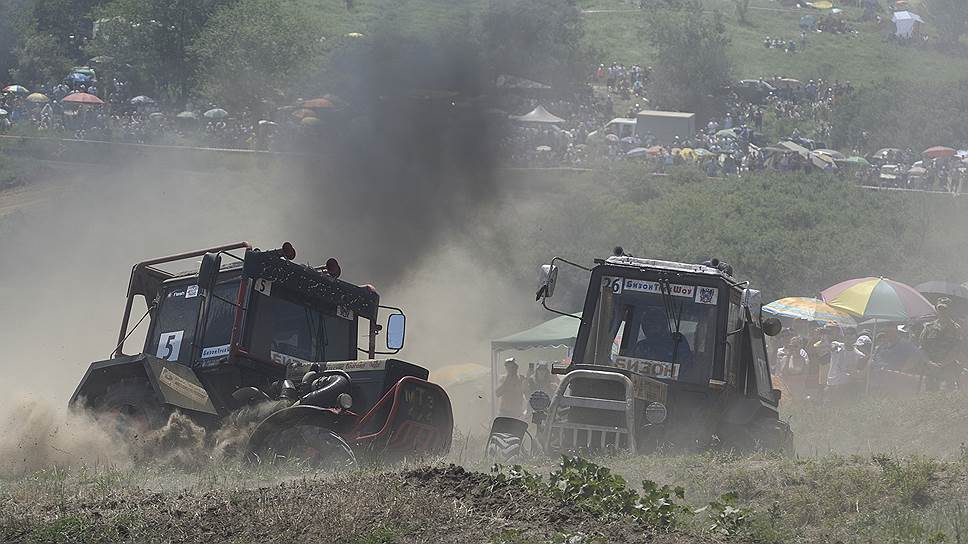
317,286
146,281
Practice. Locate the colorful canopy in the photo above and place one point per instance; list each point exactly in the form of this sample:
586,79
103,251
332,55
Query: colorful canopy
878,298
16,89
809,309
82,98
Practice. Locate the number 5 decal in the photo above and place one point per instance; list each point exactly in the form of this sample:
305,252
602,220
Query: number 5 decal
169,345
263,286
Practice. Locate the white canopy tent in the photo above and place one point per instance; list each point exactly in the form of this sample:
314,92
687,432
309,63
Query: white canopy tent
906,23
538,115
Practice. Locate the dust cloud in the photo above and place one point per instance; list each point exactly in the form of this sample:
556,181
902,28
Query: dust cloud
38,435
405,198
67,260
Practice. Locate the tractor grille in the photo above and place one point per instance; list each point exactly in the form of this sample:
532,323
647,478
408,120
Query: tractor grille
592,438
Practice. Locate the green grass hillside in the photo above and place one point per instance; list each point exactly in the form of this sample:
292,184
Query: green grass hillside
863,57
617,29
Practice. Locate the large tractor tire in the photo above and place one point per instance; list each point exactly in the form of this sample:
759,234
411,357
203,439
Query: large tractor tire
505,441
761,434
773,435
132,408
503,447
301,435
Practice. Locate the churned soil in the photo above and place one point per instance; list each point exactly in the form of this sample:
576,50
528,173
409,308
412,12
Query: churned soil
444,503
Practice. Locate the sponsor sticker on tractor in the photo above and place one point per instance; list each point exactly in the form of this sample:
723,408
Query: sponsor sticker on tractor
646,367
182,386
215,351
366,364
707,295
644,286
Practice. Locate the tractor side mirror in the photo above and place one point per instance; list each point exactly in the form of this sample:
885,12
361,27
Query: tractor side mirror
208,270
547,279
772,326
396,331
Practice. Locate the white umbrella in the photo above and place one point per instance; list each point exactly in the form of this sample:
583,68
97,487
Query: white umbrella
216,113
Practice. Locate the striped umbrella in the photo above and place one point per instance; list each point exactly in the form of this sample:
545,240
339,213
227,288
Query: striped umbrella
879,299
82,98
809,309
16,89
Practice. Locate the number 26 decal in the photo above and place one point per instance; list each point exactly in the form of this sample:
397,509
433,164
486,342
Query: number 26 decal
613,284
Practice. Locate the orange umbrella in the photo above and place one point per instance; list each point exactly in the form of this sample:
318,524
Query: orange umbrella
317,103
939,151
82,98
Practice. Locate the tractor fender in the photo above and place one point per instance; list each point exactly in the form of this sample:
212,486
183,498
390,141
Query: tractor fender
740,411
293,415
173,383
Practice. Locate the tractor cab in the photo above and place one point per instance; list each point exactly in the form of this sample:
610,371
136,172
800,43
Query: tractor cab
244,318
691,327
667,353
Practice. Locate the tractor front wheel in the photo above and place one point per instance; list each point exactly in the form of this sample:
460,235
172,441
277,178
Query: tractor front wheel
131,408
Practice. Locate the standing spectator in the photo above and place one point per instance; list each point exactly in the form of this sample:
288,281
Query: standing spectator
512,391
940,340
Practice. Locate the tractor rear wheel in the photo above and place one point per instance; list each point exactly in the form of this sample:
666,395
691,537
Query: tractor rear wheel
301,434
766,434
303,443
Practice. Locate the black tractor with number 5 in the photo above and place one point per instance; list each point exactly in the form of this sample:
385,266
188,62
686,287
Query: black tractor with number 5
263,340
667,355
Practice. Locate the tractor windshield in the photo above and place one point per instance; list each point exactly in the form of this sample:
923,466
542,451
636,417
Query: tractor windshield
281,330
665,332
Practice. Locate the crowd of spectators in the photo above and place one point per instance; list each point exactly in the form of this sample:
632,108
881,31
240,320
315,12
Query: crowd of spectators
120,117
830,364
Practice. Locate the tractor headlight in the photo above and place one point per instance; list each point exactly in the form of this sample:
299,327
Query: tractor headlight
656,413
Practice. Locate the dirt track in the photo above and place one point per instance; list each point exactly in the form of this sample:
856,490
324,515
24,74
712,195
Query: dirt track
443,504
